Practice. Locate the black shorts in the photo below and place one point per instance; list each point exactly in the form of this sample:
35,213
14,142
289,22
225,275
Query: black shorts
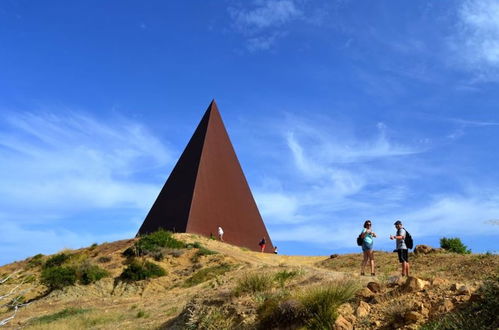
403,255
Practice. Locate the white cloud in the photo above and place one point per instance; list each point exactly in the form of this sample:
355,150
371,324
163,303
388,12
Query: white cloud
476,42
266,14
265,22
54,164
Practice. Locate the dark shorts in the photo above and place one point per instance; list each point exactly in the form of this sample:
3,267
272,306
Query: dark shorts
367,246
403,255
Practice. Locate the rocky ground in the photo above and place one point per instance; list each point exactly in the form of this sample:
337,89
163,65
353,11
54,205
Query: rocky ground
201,290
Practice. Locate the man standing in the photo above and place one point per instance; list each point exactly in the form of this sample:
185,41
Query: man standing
401,247
220,234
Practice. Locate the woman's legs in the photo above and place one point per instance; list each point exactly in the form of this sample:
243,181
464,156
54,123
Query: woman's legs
364,262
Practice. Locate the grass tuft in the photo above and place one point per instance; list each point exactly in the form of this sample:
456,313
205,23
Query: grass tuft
254,283
206,274
67,312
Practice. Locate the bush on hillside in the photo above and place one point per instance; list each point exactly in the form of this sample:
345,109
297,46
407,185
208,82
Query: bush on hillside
141,270
56,260
36,260
153,244
89,273
454,245
58,277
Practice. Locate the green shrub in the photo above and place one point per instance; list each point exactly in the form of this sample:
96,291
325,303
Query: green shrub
141,270
141,314
253,283
152,243
35,261
58,277
202,251
56,260
454,245
67,312
206,274
91,273
321,303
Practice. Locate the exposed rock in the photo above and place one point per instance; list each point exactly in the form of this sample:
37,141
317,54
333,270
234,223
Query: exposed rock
455,286
414,284
423,249
332,256
437,281
442,307
342,324
350,318
363,309
374,287
365,293
412,317
395,280
463,290
345,309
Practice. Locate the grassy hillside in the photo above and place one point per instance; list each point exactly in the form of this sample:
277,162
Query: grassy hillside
190,282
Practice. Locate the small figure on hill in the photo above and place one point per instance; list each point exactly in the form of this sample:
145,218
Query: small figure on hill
262,244
401,247
220,234
275,249
367,236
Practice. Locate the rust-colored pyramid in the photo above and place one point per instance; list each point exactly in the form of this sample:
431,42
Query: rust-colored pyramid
207,189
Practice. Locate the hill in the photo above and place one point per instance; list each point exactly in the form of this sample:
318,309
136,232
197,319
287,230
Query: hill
207,284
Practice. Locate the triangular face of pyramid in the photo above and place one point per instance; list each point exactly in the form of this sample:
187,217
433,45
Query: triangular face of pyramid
207,189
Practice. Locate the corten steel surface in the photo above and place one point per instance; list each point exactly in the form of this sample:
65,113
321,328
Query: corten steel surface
207,189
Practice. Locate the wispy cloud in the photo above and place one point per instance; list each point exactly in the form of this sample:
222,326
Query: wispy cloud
264,22
476,42
265,14
56,164
331,173
340,179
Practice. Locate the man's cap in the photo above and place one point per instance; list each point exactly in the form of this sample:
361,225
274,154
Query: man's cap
398,222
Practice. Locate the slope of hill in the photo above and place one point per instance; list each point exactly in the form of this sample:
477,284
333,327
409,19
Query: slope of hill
213,285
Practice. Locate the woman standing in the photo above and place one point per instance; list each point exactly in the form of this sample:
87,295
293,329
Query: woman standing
367,236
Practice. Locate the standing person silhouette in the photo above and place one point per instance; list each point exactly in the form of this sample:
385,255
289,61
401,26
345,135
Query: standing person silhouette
262,244
401,247
367,236
220,234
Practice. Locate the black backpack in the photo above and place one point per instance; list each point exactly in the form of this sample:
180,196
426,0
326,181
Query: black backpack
408,240
360,240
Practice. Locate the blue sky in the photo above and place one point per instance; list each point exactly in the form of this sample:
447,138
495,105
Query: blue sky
339,111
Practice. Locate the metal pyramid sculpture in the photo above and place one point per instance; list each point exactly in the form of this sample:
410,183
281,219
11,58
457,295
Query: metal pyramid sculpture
207,189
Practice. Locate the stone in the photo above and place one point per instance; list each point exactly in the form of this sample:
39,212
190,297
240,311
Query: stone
414,284
374,287
365,293
455,286
437,281
423,249
332,256
412,317
342,324
351,318
395,280
463,290
345,309
363,309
